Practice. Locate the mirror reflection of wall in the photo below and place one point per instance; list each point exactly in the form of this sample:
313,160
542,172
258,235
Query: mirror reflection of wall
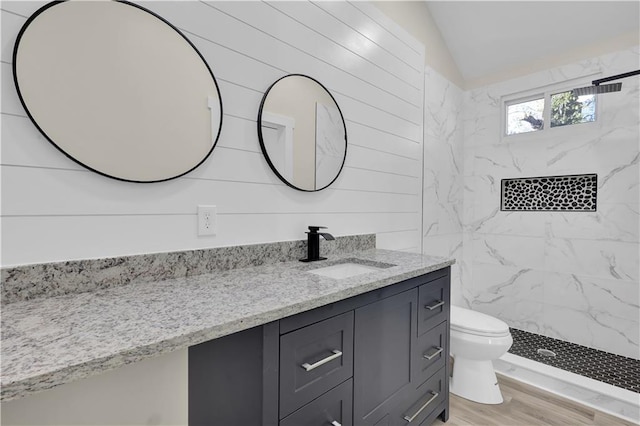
117,89
302,133
330,143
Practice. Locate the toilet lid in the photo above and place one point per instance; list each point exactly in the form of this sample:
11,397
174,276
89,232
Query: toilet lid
477,323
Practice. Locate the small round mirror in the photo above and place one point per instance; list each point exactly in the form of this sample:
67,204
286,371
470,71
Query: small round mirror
302,133
117,89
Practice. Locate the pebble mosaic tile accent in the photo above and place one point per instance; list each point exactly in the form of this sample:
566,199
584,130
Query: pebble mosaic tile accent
35,281
603,366
550,193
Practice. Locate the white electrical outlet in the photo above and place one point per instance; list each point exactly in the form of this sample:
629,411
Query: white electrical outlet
207,220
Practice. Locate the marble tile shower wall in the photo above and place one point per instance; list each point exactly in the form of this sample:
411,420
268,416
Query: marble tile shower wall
572,276
443,177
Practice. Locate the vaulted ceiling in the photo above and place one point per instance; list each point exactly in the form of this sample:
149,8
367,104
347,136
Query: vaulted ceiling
486,37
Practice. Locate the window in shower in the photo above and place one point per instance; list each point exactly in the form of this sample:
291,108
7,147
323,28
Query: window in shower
567,108
547,108
524,117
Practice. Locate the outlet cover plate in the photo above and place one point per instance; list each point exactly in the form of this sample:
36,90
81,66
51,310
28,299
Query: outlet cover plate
207,220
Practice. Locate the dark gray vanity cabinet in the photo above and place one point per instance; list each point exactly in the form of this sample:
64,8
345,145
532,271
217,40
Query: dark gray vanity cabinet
379,358
386,335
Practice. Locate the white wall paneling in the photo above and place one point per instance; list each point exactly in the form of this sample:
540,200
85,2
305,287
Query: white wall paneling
53,209
51,202
264,48
268,20
10,101
62,192
395,240
392,28
96,236
378,119
350,15
333,29
23,8
355,179
368,137
11,24
363,158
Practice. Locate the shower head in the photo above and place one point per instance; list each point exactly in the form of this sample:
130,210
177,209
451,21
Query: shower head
596,90
606,88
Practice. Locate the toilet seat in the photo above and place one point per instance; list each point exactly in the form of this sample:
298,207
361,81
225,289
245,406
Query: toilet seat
477,323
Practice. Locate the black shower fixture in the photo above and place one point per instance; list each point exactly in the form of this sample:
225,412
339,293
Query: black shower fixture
606,88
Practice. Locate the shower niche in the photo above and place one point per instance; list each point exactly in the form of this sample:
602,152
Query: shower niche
575,193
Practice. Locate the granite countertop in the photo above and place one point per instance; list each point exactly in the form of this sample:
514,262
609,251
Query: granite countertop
52,341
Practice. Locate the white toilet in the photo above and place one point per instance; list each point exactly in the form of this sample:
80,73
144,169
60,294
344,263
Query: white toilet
476,340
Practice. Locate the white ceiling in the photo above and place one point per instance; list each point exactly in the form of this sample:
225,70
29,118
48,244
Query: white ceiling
486,37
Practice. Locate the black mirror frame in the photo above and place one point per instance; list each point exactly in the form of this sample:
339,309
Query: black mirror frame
24,105
264,149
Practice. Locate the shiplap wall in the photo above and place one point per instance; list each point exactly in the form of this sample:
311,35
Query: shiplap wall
53,209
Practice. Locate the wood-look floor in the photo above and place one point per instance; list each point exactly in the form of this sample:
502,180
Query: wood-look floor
526,405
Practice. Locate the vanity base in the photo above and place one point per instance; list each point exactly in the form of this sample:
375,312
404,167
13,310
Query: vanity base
379,358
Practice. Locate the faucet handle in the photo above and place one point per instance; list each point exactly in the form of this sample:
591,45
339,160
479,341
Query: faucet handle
314,229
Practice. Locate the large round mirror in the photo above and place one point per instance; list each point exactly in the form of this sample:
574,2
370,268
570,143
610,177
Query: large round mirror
117,89
302,133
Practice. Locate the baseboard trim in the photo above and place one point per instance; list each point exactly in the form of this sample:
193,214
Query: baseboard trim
600,396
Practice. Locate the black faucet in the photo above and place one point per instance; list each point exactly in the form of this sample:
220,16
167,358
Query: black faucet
313,243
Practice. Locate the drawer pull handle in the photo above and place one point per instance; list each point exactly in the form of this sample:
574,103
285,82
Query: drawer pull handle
438,351
437,305
309,367
434,395
335,423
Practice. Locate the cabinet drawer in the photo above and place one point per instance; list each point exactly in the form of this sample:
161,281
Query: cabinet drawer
433,304
334,408
430,353
427,398
313,360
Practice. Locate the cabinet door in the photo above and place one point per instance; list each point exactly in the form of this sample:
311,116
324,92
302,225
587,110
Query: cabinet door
385,333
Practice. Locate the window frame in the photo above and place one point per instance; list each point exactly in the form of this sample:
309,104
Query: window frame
533,97
545,92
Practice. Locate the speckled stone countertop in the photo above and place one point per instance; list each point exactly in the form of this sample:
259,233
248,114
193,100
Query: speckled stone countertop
51,341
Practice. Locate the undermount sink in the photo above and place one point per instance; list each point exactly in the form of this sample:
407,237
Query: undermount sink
348,269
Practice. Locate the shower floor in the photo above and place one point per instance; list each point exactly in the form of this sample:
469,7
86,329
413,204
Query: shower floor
609,368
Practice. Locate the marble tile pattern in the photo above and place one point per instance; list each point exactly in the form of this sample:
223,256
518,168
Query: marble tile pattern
331,144
29,282
572,276
50,341
443,175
